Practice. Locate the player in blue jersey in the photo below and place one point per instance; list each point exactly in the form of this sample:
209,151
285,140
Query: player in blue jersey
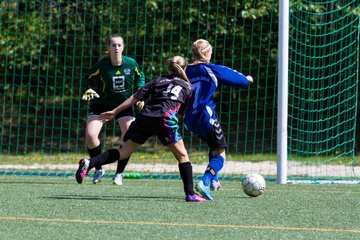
112,80
167,97
200,117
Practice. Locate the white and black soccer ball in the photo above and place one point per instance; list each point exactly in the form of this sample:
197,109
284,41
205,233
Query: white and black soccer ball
253,184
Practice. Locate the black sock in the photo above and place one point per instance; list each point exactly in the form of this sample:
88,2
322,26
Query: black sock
121,165
187,177
109,156
94,152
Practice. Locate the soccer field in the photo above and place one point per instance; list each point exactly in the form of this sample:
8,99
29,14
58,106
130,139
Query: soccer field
59,208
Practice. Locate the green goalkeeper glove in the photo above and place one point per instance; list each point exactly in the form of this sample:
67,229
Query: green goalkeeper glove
90,94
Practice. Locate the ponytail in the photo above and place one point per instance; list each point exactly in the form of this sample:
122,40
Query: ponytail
177,65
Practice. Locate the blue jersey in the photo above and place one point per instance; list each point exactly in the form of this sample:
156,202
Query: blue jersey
205,77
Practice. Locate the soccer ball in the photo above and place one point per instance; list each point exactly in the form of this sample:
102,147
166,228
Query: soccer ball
253,184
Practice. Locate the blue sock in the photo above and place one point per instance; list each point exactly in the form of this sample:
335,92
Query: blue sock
215,165
215,178
206,178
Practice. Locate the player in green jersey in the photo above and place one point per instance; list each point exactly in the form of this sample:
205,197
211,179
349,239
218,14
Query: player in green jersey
112,80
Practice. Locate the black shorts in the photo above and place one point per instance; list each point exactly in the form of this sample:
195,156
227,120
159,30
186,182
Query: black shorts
97,109
140,130
216,138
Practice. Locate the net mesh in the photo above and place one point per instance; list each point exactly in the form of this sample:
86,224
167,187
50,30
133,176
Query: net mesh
323,87
48,46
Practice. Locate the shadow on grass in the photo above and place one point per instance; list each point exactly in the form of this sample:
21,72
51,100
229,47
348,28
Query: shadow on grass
34,183
112,198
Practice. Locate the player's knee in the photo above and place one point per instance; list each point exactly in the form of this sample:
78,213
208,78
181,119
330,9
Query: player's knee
91,136
219,151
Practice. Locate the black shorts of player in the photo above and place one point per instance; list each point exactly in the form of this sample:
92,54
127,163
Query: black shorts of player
166,129
216,138
97,109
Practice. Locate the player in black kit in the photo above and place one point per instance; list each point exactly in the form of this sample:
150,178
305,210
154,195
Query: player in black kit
167,97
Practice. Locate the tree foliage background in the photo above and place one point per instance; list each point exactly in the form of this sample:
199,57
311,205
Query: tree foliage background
47,47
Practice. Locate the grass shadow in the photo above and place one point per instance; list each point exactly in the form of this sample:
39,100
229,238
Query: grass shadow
112,198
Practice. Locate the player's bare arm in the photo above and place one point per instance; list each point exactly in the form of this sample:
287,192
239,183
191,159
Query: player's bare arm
107,116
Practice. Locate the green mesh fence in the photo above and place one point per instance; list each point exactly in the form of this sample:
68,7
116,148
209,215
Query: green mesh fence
323,88
48,46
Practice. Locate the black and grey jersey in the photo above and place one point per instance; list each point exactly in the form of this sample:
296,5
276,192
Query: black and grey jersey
167,95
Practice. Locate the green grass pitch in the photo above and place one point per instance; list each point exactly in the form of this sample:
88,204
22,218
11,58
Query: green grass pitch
59,208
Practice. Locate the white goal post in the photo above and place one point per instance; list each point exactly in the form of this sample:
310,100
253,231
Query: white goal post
283,56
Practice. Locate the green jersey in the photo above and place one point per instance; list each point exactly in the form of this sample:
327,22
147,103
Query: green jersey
114,84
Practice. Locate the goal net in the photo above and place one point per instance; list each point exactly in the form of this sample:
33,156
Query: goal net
48,46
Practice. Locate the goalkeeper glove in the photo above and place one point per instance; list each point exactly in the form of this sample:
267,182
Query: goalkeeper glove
140,104
90,94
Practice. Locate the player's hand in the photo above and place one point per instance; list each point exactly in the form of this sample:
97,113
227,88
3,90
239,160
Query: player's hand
90,94
107,116
250,79
140,104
